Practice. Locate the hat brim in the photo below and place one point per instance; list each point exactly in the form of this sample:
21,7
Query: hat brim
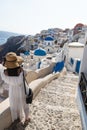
20,60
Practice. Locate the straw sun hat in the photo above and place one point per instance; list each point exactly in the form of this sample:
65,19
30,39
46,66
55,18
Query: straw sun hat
12,60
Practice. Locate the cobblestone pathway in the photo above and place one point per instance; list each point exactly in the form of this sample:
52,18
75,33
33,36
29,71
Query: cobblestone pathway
55,107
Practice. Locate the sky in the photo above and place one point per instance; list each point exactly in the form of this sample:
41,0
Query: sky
33,16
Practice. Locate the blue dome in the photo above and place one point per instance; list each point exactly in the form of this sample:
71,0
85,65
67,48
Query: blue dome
26,53
40,52
49,39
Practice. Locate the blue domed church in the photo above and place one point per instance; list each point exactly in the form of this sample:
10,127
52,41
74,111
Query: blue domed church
48,44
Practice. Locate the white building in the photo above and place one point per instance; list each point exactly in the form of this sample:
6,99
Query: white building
75,53
49,45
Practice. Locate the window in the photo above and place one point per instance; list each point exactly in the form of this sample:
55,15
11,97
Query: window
48,43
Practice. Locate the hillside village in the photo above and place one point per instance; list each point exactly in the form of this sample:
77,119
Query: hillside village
55,37
58,37
50,40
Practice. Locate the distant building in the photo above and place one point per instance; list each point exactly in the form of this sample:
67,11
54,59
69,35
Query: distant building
48,44
78,28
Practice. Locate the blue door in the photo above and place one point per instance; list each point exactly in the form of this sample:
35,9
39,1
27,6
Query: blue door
77,66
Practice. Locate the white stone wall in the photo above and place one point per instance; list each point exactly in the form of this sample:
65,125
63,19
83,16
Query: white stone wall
76,52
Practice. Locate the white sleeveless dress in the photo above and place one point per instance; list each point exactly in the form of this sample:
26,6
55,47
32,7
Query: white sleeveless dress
18,106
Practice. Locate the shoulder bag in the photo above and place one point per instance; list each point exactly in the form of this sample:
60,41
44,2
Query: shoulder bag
29,96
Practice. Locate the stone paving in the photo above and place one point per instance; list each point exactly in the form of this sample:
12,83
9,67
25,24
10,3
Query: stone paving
55,107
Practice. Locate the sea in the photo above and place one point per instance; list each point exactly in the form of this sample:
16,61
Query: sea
3,40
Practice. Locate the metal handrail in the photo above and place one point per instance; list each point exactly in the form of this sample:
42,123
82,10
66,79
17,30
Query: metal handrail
84,78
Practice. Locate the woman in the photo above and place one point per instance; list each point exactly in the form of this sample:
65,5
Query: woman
13,76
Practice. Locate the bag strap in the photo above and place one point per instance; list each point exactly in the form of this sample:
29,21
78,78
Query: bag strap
24,83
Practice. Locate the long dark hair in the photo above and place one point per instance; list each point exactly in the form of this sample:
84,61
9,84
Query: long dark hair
13,72
3,61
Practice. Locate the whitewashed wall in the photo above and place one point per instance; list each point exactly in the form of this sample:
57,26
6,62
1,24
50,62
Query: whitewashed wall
76,52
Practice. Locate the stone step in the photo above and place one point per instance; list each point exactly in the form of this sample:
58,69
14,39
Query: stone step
68,79
52,91
62,84
48,117
58,101
55,107
41,105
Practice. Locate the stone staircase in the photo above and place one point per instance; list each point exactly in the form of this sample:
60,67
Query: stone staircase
55,106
